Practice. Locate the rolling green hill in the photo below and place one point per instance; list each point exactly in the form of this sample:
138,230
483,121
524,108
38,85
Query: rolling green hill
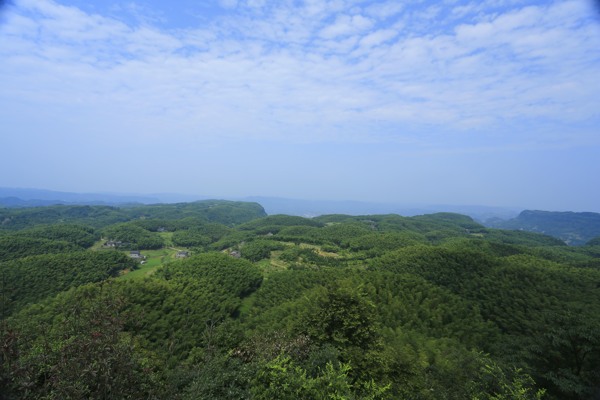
348,307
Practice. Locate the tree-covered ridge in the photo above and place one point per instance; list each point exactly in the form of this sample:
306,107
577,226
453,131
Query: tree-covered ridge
80,235
233,276
94,216
130,236
225,212
574,228
14,247
32,279
347,307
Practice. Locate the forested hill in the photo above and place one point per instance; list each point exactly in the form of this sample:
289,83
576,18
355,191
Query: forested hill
216,300
225,212
574,228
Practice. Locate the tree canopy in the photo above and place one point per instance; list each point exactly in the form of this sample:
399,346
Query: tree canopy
346,307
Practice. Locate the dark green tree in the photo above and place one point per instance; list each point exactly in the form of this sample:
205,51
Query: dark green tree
83,353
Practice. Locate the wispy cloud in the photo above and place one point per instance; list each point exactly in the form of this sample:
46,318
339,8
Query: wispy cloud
323,70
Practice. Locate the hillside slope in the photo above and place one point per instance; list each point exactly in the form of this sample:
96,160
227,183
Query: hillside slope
574,228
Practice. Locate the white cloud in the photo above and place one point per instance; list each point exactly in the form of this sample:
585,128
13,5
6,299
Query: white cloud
346,25
385,9
294,76
378,37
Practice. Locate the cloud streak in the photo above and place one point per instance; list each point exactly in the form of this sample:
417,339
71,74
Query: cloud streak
323,71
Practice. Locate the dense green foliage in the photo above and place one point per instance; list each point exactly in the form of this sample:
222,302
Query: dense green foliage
260,249
13,247
84,353
95,216
228,213
200,235
336,307
79,235
31,279
132,236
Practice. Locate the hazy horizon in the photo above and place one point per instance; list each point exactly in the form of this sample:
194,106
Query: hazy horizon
275,204
460,103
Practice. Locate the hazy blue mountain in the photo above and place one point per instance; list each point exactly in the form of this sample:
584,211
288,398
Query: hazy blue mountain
574,228
18,197
312,208
181,198
18,202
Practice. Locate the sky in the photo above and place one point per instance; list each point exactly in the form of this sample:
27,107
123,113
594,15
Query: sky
493,102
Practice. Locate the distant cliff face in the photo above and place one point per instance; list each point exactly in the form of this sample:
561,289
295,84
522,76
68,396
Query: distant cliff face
574,228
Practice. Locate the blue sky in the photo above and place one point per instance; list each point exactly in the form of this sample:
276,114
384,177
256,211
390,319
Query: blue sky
453,102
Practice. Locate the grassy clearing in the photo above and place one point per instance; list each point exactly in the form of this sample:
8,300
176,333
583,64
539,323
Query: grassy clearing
99,245
320,250
272,265
154,260
275,264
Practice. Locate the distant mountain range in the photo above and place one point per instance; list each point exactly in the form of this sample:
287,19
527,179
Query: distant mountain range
16,197
313,208
571,227
13,197
574,228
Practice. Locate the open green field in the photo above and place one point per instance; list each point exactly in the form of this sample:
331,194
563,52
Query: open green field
154,260
99,245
